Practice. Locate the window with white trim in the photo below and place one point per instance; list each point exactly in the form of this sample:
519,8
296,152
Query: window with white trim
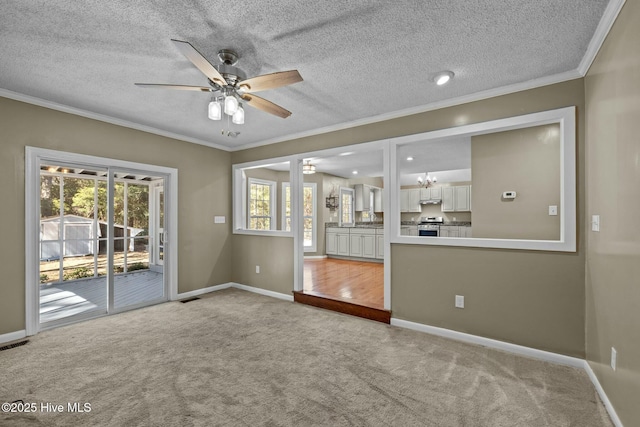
309,213
261,204
346,207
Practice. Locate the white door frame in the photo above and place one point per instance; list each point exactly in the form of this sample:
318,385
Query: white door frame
155,230
34,157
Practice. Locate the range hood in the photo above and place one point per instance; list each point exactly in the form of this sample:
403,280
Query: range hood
431,202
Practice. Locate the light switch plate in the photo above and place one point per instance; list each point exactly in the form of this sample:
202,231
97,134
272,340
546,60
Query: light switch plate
595,222
219,219
459,301
553,210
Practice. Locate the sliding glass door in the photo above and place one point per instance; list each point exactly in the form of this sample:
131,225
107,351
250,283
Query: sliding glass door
99,242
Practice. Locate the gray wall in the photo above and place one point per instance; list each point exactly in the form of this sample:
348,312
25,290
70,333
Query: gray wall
526,161
612,89
204,180
538,301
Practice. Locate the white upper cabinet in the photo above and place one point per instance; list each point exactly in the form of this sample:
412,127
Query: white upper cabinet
456,199
363,197
378,200
410,200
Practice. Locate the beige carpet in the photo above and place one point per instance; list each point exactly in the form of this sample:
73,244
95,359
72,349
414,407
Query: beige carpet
236,358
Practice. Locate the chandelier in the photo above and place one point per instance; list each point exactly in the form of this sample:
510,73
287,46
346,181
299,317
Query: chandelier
427,181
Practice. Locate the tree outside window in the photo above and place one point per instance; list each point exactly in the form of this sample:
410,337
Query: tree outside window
262,197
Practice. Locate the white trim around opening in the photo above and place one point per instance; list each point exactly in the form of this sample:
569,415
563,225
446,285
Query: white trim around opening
33,159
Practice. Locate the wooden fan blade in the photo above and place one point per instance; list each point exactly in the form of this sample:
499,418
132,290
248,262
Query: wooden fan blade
266,106
270,81
179,87
200,62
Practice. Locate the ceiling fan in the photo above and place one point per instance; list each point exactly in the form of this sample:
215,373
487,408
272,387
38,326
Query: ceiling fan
232,84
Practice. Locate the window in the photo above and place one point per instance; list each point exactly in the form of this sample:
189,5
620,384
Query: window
262,199
346,217
309,213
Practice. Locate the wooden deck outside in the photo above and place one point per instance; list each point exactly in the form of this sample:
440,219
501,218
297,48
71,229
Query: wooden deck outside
61,300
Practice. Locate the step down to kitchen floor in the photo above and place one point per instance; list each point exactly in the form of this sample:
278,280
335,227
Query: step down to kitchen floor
376,314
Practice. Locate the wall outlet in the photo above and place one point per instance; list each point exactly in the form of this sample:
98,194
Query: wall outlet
614,358
595,222
459,301
257,269
553,210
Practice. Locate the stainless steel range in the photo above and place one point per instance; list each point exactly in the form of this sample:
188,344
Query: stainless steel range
430,226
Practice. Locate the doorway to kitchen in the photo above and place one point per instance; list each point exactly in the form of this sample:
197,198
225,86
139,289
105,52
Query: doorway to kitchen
347,271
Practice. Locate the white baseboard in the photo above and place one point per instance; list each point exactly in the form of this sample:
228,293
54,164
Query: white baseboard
13,336
603,396
315,256
491,343
237,286
262,291
546,356
197,292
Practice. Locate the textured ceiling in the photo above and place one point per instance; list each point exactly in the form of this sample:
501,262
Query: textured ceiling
359,59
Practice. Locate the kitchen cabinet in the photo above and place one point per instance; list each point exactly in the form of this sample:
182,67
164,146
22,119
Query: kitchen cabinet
369,246
410,200
409,230
362,242
354,242
343,246
367,198
380,244
461,195
455,231
456,199
363,197
378,200
465,231
431,194
337,241
355,245
331,243
449,231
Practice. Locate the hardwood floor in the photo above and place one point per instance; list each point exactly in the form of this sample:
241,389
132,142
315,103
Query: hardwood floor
343,280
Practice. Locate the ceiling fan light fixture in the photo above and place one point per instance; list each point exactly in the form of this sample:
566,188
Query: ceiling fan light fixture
215,110
238,116
230,105
443,77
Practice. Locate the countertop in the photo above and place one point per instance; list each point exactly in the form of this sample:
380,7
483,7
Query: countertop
358,225
454,223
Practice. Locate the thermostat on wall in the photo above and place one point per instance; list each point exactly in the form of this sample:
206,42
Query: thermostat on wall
509,195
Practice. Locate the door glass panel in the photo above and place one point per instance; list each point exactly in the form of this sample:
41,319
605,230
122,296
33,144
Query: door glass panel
70,231
137,278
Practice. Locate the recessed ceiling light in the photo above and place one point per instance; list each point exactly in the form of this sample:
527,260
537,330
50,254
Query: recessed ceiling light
348,153
410,158
443,77
355,172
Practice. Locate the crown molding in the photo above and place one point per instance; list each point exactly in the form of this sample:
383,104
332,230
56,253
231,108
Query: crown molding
104,118
602,30
478,96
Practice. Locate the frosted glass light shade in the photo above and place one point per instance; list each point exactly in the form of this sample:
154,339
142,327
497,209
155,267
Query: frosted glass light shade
238,116
230,105
215,110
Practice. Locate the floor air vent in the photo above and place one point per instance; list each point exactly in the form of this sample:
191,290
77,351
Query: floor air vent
184,301
15,344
